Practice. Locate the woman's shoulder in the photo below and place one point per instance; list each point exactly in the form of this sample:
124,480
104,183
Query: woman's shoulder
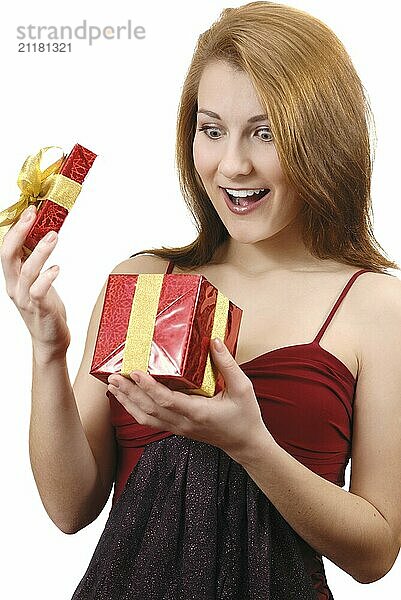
376,309
142,263
374,288
373,293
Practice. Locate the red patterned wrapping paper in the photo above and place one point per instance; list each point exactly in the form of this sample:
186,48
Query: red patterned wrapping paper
51,216
180,345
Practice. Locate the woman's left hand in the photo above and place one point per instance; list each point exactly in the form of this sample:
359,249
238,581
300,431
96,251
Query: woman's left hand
230,420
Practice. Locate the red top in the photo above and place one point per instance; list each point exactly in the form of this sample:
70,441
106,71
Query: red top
306,397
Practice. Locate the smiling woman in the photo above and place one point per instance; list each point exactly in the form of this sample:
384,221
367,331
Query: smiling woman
296,73
273,153
241,158
241,495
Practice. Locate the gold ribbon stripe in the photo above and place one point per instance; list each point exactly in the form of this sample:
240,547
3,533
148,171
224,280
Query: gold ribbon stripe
63,191
142,323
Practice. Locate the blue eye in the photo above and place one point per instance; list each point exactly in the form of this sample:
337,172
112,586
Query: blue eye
208,128
266,130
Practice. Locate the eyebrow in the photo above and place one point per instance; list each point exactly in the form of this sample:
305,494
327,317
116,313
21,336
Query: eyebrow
254,119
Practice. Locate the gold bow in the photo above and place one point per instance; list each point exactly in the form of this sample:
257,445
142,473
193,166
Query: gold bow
35,185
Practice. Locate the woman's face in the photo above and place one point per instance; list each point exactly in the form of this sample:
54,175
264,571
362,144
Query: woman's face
231,152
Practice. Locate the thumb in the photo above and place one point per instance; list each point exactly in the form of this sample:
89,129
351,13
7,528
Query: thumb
227,365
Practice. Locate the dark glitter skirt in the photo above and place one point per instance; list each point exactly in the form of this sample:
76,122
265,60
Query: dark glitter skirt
191,524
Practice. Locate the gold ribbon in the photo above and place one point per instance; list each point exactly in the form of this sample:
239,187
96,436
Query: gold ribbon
38,184
141,329
142,323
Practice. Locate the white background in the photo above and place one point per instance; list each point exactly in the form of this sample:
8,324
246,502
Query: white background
120,98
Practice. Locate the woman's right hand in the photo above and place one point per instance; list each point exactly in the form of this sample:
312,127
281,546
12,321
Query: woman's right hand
31,291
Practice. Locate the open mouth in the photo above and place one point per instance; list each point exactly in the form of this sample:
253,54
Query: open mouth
247,200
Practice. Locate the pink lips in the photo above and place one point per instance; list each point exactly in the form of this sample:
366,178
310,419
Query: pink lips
242,210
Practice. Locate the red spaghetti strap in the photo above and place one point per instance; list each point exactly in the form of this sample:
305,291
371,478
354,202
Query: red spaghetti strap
170,267
337,304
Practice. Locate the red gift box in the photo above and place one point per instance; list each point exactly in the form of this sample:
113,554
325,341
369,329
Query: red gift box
52,190
52,213
162,324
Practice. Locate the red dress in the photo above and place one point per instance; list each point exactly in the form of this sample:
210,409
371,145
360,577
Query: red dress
306,398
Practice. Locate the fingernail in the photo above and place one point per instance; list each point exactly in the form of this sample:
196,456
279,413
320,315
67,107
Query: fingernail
49,237
218,344
27,214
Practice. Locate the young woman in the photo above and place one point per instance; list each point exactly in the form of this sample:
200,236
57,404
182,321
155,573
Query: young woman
239,496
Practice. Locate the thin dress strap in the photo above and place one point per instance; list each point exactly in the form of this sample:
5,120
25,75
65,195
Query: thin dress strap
337,304
170,267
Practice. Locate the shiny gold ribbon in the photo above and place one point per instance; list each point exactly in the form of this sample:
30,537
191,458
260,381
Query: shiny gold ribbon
38,184
142,323
141,328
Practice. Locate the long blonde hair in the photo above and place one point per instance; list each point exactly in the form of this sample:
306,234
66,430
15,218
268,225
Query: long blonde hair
321,122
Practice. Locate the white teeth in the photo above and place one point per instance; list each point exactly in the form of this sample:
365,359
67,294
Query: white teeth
244,193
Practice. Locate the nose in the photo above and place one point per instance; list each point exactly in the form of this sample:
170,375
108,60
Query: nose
234,161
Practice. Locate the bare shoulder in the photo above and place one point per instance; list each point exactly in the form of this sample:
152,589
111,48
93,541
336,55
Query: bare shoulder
376,291
376,313
143,263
